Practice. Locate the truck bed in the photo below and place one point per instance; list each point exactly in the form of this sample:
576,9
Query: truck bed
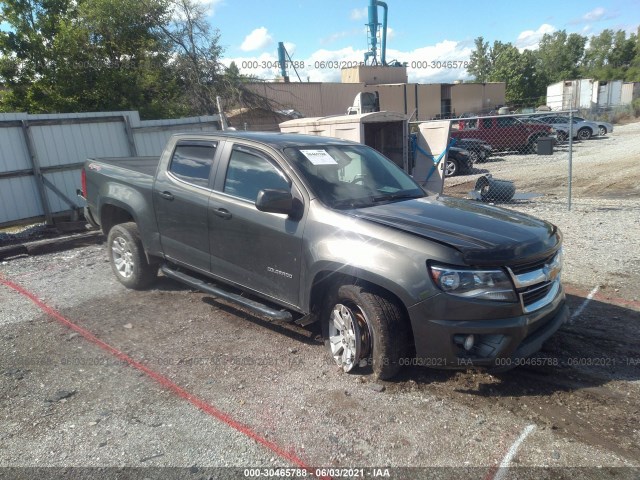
144,165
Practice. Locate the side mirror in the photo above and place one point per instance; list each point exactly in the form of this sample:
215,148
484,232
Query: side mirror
275,201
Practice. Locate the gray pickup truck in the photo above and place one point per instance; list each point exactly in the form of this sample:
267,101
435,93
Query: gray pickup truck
306,229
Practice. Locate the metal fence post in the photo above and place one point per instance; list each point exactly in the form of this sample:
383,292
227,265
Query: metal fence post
35,164
130,138
570,154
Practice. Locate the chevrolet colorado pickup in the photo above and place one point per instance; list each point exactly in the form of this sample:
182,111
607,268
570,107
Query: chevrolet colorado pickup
298,228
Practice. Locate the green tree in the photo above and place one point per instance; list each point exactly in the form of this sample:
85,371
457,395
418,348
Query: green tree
480,62
560,56
64,55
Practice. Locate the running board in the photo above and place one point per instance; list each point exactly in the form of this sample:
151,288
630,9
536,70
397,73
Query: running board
255,307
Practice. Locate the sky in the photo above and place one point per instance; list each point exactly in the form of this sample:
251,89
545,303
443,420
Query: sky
421,32
324,35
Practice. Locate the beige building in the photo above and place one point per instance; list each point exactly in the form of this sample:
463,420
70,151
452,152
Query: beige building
418,101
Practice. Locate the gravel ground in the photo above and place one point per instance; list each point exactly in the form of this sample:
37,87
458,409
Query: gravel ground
66,402
277,380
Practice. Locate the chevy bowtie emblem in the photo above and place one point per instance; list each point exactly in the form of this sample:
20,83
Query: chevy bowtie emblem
550,272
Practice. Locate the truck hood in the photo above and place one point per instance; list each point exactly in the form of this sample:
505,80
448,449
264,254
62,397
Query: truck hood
484,234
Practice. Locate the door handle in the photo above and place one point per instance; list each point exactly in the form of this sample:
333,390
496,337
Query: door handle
166,195
222,213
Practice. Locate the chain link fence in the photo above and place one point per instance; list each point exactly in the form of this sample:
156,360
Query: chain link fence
510,159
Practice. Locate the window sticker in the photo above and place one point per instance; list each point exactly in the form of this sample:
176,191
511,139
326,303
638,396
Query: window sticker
319,157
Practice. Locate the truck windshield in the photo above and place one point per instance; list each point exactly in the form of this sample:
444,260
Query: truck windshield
352,176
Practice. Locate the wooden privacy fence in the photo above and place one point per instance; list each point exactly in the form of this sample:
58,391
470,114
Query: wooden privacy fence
41,155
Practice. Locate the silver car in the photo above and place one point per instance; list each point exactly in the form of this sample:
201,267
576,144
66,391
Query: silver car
581,129
604,127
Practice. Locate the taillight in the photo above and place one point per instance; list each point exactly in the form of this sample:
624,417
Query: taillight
84,183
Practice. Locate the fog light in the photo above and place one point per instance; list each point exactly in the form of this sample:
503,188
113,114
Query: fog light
465,341
468,342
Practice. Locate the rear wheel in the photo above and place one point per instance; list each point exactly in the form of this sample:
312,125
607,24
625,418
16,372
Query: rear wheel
562,136
584,133
366,327
128,260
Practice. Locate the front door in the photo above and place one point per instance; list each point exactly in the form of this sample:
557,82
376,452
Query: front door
253,249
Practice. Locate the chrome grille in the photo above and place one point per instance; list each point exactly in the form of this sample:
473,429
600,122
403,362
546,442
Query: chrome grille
537,283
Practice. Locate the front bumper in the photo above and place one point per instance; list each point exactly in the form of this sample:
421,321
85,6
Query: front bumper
499,344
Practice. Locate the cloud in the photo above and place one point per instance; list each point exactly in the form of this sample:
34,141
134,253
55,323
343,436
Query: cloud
594,15
359,13
256,40
529,39
391,33
424,65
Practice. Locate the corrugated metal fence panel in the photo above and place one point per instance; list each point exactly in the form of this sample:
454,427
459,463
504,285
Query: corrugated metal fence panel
70,143
151,142
67,182
13,153
61,141
19,199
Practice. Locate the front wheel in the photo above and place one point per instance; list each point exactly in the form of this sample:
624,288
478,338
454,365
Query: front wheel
451,168
602,130
128,260
365,327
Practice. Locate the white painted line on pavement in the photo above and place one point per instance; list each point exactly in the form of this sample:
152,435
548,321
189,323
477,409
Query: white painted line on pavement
502,470
584,304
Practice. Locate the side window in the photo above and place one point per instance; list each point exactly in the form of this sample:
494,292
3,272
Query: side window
506,121
249,172
192,162
487,122
471,123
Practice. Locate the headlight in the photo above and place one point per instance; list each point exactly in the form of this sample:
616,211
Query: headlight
477,284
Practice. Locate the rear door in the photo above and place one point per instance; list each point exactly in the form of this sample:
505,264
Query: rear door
181,201
513,132
253,249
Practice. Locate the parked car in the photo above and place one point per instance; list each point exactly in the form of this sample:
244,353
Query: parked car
316,229
478,150
559,133
458,162
581,129
604,127
503,133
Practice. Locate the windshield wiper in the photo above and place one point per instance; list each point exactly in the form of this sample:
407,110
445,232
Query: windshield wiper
396,196
353,202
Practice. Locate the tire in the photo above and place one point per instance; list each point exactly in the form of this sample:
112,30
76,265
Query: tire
364,326
128,260
584,133
451,168
562,136
474,156
602,130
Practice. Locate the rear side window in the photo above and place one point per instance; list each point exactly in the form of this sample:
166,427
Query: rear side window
487,122
192,162
249,172
506,121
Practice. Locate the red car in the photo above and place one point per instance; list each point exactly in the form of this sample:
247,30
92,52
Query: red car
502,132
